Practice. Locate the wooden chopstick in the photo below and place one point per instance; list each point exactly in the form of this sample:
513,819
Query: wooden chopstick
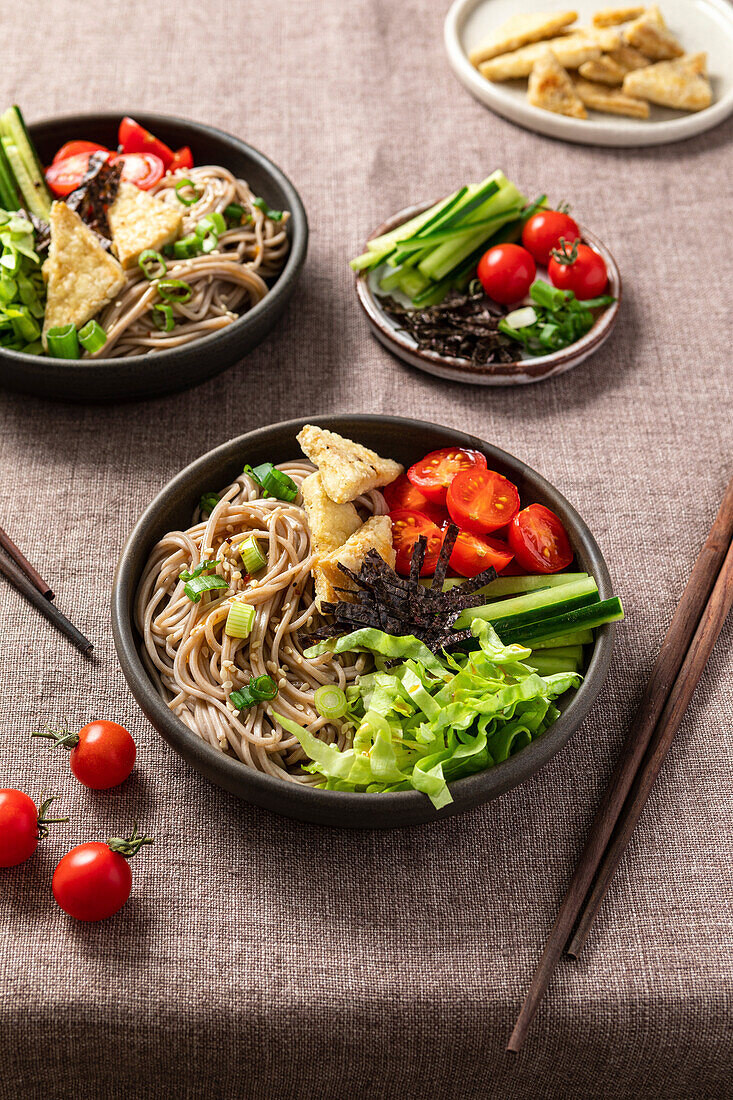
20,559
666,668
693,666
17,577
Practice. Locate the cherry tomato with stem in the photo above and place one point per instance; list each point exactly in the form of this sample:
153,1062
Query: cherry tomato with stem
22,826
506,272
578,268
433,474
474,553
134,138
102,753
142,169
73,148
407,527
93,881
401,493
539,540
482,500
544,231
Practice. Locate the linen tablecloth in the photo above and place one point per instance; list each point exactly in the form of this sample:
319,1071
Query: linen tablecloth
259,957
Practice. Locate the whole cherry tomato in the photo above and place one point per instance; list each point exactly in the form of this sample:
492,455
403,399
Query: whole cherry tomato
506,272
578,268
102,753
544,231
21,826
93,881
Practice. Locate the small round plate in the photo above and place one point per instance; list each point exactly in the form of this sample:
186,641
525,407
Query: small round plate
699,24
521,372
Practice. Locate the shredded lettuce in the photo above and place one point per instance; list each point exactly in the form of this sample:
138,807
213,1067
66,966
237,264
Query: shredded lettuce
421,721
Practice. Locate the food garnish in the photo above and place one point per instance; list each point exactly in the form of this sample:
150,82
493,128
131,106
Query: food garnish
200,580
273,482
556,320
463,326
260,689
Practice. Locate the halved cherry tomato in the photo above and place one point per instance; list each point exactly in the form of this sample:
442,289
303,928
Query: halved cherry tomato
142,169
542,233
433,474
64,176
407,527
401,493
482,500
182,158
474,553
134,138
72,148
578,268
506,272
539,540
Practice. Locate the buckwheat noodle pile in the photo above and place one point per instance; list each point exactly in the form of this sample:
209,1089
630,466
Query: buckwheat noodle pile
195,665
225,283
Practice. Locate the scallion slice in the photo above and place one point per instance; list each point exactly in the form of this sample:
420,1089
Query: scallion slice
163,317
208,501
273,215
240,620
174,290
186,247
63,342
258,690
330,701
92,337
200,580
187,199
521,318
152,264
252,556
234,212
273,482
211,223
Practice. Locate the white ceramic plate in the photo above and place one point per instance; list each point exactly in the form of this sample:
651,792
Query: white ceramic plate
699,25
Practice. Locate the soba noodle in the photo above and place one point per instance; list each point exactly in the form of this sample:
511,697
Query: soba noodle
196,666
225,283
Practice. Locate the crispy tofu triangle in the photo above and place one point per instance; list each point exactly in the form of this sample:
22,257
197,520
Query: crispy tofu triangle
612,101
519,30
570,51
330,581
612,67
551,88
138,221
682,83
650,34
611,17
81,277
347,469
605,38
330,524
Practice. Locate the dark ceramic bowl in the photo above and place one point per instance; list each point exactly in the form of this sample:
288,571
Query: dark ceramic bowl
140,376
405,440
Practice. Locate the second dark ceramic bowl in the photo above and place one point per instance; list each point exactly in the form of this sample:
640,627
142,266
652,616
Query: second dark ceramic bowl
140,376
394,437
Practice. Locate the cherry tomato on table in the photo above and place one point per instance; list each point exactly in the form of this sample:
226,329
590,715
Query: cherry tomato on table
543,232
433,474
134,138
93,881
506,272
102,753
21,826
482,500
73,148
401,493
539,540
474,553
578,268
406,530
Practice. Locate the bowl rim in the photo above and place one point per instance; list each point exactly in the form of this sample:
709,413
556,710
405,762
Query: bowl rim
332,807
537,367
298,223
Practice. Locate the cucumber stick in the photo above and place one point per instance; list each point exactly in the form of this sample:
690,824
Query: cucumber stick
549,666
25,163
508,586
379,248
8,192
529,608
581,618
573,637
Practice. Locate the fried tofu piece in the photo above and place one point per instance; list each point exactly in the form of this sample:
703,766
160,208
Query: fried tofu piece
347,469
570,50
605,38
603,70
520,30
650,34
330,524
375,534
682,83
81,276
611,17
612,101
138,221
551,88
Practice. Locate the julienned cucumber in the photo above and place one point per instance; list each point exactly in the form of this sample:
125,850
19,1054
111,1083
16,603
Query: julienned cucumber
549,666
572,637
25,163
508,586
8,192
531,607
582,618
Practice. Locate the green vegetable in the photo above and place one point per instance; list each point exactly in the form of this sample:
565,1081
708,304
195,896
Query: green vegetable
63,342
234,212
557,321
252,557
92,337
582,618
211,223
152,264
273,215
22,289
163,318
572,637
330,701
532,606
239,620
8,190
273,482
187,186
200,580
208,501
259,690
508,586
174,290
21,155
186,247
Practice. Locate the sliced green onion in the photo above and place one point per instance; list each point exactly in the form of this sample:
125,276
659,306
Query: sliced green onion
252,556
521,318
152,264
63,342
92,337
273,215
549,296
163,317
208,501
186,199
256,691
213,222
174,290
330,701
239,620
234,212
200,580
208,243
273,482
186,247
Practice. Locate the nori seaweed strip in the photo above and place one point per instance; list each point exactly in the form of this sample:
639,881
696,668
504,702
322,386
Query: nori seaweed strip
441,567
95,194
418,559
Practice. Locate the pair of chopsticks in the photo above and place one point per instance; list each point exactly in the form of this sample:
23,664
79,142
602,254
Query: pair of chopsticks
16,568
693,632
